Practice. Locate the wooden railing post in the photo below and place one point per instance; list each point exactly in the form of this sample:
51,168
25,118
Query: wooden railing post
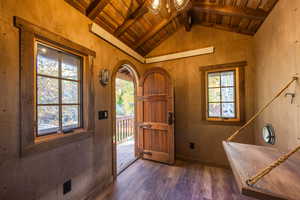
124,128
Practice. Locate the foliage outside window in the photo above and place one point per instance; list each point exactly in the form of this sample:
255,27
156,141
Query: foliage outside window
124,97
58,90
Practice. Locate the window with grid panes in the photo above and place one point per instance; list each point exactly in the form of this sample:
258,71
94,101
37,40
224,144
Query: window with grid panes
59,95
221,95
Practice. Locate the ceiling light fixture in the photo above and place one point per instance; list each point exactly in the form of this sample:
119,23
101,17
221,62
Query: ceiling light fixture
168,6
155,6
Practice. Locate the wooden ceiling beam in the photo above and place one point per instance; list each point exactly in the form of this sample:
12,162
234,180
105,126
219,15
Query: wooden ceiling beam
162,39
95,8
154,30
132,18
227,28
140,1
250,13
76,5
270,5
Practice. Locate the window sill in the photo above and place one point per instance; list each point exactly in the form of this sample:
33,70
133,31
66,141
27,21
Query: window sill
224,122
51,142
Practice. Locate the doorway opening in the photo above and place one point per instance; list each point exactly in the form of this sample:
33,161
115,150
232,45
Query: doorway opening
125,118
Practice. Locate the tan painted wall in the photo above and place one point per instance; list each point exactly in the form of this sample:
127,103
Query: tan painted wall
277,49
229,47
87,162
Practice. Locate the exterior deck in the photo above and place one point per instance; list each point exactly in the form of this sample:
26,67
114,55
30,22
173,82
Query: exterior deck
125,142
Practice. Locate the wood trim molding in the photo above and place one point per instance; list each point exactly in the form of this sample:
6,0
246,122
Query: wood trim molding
51,37
102,33
29,35
96,29
183,54
241,93
222,66
136,79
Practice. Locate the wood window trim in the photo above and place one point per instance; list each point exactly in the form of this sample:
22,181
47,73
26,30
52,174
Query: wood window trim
240,92
29,34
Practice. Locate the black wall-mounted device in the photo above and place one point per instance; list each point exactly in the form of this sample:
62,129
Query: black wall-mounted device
67,187
192,145
103,114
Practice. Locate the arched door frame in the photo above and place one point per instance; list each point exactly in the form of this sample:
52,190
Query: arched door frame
136,77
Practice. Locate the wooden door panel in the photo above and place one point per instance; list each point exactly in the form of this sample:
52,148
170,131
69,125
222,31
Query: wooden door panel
160,114
155,84
156,130
156,140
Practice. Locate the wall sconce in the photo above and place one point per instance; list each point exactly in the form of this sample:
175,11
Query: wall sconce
104,77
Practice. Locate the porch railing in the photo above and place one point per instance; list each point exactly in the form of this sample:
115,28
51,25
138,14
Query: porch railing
124,128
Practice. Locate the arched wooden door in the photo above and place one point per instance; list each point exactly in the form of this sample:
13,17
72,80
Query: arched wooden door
156,116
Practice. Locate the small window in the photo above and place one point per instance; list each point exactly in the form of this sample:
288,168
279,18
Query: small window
59,91
223,92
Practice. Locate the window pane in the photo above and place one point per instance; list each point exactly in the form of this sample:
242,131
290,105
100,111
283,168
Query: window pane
214,95
227,78
227,94
228,110
48,121
214,80
47,90
70,92
47,61
70,67
214,110
70,116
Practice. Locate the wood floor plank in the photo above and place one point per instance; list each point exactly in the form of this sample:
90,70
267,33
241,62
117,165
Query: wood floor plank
147,180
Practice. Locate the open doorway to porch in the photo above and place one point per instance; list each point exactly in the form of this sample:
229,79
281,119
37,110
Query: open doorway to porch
125,118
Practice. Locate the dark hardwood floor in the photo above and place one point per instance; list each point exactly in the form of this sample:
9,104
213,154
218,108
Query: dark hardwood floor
147,180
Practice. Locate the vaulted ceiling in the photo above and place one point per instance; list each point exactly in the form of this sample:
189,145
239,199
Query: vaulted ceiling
141,29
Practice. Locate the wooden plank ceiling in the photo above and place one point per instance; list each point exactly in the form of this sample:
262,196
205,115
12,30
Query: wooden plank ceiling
137,26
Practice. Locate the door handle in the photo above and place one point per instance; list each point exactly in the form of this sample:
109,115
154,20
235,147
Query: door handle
170,118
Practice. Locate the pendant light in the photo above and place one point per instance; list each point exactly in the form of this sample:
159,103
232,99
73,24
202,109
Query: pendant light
167,7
